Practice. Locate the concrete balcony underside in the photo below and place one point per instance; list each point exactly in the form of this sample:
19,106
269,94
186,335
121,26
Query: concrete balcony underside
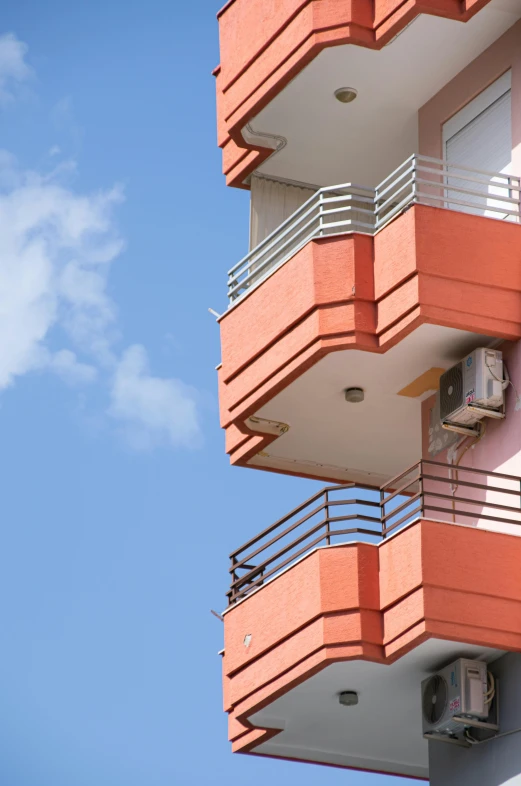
370,618
289,35
429,266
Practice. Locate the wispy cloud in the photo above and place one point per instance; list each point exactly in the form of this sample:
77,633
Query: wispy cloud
55,251
152,411
57,246
13,67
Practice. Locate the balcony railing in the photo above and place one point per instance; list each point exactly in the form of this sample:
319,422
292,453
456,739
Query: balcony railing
337,210
339,514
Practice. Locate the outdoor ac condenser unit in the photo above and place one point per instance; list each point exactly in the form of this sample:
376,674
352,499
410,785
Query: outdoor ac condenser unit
472,389
457,690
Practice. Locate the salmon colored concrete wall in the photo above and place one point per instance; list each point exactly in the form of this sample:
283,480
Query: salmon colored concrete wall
354,291
288,35
504,54
362,601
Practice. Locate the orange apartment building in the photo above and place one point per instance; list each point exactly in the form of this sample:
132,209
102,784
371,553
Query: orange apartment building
372,342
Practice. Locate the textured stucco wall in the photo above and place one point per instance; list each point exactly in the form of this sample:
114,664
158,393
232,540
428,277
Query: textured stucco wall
495,763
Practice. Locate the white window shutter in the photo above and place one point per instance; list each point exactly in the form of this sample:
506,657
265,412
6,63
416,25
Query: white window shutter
485,142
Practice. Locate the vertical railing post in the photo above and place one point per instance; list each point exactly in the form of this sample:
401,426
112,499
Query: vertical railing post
326,509
382,512
414,185
233,589
421,489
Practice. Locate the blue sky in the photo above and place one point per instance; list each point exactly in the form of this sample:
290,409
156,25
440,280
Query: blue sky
119,506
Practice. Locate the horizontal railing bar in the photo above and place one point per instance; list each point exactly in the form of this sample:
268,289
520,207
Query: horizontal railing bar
292,558
387,217
270,269
283,534
278,523
252,260
366,502
348,198
348,223
344,186
380,193
334,533
348,208
457,512
354,531
449,188
353,517
448,201
467,501
446,174
406,163
266,268
314,197
459,166
276,237
299,509
281,552
457,482
399,508
459,468
391,200
407,517
407,471
400,490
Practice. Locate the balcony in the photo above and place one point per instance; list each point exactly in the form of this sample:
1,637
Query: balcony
346,208
343,513
278,81
376,288
369,591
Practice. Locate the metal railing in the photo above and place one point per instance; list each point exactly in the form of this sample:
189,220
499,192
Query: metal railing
336,514
336,210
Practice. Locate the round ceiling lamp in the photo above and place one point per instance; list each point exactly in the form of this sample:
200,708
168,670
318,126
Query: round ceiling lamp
354,395
346,94
348,698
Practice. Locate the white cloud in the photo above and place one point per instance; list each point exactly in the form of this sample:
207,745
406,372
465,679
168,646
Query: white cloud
56,250
13,68
153,411
70,369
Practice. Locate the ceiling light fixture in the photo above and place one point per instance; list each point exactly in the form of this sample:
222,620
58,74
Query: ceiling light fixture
348,698
346,94
354,395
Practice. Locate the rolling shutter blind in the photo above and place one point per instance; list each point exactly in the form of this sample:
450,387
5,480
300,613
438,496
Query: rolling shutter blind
486,142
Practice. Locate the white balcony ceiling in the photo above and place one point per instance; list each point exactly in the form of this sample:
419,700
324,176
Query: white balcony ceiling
382,733
362,142
372,441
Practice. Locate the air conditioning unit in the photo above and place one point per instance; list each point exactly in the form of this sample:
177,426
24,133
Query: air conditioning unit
457,691
471,390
